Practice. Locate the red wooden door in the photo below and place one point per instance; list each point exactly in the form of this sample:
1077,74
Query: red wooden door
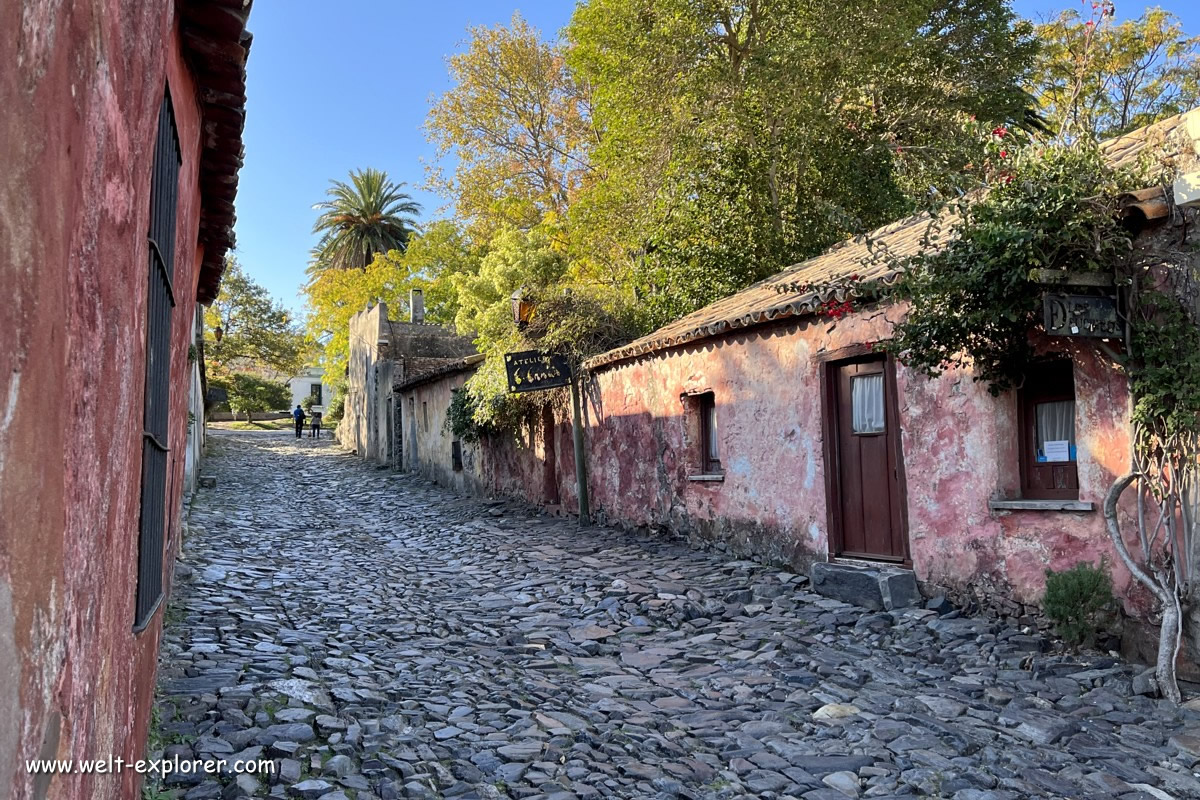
869,503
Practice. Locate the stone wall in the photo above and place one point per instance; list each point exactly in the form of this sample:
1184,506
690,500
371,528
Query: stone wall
384,353
79,103
361,416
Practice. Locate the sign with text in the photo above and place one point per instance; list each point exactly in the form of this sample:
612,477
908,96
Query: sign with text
1082,315
532,371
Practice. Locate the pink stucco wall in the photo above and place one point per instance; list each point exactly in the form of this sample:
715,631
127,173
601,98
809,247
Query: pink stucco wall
959,449
959,443
78,112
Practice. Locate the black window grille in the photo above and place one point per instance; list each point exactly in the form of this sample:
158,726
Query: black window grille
160,300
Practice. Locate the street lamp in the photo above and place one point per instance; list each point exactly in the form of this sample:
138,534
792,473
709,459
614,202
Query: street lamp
218,332
522,309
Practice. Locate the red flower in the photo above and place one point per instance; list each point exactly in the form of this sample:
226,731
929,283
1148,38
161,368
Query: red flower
1004,154
1000,131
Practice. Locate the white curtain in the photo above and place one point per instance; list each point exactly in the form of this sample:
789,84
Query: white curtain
866,403
1055,423
713,453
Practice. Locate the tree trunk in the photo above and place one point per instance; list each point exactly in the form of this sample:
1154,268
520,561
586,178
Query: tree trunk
1159,586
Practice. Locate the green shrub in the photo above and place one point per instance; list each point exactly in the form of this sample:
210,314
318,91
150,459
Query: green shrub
1078,600
460,417
336,408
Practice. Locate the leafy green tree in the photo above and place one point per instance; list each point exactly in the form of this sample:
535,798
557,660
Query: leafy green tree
334,296
518,127
257,333
1096,78
360,220
249,394
430,262
737,138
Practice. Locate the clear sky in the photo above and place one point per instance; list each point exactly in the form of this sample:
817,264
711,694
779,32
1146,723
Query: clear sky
337,86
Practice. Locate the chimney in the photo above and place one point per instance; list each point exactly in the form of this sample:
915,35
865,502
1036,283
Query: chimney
416,306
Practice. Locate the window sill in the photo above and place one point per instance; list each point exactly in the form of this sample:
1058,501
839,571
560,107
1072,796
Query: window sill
1041,505
715,477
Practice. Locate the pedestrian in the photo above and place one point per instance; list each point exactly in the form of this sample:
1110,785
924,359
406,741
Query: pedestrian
316,425
298,418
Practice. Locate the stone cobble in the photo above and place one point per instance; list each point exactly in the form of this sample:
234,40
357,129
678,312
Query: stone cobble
378,637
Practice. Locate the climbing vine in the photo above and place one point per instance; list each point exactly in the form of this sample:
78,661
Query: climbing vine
460,417
972,301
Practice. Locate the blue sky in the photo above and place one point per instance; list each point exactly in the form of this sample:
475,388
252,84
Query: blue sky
337,86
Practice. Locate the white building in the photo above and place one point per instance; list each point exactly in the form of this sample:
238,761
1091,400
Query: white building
310,383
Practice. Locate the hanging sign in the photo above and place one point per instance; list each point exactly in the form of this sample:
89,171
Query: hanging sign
532,371
1082,315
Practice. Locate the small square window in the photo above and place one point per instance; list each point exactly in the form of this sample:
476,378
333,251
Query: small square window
709,435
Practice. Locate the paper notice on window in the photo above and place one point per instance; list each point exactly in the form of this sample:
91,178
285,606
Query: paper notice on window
1059,450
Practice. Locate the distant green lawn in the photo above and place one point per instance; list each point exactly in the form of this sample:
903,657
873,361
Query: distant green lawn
266,425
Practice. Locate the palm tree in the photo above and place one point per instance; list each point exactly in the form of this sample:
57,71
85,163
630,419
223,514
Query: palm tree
360,219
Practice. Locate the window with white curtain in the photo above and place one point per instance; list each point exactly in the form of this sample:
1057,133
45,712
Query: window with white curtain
1054,426
709,435
866,403
1049,468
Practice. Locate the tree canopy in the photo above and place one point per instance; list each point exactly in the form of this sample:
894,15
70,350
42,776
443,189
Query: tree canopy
518,126
361,219
1096,78
257,333
738,138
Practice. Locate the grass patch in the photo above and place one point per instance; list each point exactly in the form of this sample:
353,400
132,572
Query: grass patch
257,425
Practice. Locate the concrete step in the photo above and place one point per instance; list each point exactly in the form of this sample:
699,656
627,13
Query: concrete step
879,588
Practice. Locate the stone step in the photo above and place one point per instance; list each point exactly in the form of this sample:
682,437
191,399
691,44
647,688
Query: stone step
880,588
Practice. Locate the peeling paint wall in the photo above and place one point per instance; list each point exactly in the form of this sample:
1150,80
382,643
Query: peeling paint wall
78,114
959,443
959,449
433,457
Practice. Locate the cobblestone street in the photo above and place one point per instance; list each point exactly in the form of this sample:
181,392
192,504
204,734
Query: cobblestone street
382,638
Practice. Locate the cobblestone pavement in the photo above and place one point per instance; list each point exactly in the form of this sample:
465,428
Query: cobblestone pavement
381,638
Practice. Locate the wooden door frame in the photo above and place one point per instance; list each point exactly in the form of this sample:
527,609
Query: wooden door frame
828,362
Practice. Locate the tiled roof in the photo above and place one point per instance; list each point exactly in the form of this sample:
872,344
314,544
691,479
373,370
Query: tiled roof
217,44
430,372
764,302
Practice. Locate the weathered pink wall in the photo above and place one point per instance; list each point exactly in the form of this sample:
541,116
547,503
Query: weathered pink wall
78,112
513,464
959,443
959,451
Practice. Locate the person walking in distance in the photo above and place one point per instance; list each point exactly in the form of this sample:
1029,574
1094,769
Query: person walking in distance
298,418
315,430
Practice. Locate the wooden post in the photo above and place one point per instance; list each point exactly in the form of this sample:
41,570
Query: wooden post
585,517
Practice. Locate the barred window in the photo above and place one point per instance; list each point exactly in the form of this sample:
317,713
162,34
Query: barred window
160,300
